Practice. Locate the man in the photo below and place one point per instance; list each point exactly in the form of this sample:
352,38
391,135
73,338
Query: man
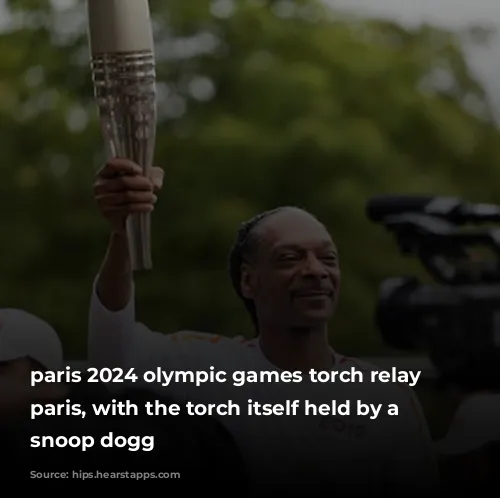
27,343
285,268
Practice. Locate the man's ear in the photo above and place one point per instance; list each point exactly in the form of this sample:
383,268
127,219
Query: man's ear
247,280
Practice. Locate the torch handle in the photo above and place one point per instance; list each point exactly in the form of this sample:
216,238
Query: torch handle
139,240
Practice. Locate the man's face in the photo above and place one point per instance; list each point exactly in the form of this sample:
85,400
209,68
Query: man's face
294,276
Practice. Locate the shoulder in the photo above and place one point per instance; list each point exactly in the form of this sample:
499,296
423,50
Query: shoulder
191,348
192,339
194,336
351,362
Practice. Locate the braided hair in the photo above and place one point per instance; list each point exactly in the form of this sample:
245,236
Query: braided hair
245,244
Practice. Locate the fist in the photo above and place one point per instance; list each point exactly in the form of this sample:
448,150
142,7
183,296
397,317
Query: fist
121,189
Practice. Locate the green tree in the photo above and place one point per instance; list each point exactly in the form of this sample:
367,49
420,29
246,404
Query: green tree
261,104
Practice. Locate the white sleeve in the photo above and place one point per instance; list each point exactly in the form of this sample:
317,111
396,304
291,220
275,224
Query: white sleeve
110,334
115,339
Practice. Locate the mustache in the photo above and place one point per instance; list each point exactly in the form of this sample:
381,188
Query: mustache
317,290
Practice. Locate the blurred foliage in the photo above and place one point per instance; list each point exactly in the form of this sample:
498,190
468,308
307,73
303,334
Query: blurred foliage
260,104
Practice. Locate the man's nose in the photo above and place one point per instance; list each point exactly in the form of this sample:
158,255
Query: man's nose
314,267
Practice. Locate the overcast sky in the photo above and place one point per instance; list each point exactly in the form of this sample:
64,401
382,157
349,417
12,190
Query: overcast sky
450,14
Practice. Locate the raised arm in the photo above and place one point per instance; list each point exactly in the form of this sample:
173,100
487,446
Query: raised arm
119,191
115,338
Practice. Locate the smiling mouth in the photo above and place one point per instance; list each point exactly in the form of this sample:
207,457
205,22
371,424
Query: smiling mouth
324,293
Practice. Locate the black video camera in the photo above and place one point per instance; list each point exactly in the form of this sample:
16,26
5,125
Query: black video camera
458,320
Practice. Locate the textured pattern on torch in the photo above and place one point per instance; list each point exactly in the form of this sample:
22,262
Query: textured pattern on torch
125,91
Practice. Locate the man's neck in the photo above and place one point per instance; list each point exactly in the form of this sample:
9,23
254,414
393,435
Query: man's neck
297,349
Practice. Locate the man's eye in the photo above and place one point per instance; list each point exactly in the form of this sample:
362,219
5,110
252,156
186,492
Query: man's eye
287,257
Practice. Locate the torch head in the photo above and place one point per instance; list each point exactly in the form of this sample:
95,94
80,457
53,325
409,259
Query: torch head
119,26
